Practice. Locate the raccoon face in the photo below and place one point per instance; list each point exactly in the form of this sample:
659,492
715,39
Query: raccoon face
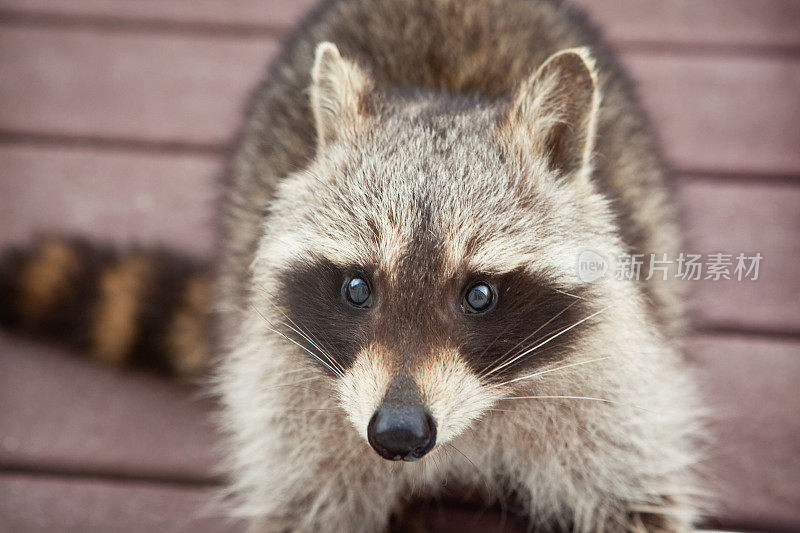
425,258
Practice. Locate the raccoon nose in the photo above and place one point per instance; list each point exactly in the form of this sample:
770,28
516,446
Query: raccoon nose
401,432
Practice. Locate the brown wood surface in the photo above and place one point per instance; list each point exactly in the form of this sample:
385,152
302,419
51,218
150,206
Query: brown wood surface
114,117
757,23
745,216
113,195
751,383
146,88
45,504
65,413
190,90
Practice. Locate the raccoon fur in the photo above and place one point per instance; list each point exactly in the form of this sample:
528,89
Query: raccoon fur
396,301
404,160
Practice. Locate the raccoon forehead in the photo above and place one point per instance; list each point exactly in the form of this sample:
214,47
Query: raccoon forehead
533,245
479,234
367,202
428,254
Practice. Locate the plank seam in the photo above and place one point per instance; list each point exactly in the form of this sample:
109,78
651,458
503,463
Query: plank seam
143,25
10,137
700,48
749,333
734,177
86,474
210,29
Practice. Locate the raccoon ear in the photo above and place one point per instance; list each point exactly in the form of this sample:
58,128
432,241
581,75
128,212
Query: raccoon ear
338,94
555,111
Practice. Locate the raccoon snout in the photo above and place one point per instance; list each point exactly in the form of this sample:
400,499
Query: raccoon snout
401,432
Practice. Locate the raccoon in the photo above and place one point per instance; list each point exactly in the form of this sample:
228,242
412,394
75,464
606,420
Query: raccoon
396,303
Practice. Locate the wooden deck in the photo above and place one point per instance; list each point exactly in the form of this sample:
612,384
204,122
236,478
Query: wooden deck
114,120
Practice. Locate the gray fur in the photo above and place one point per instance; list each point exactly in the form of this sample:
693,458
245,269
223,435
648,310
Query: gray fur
430,126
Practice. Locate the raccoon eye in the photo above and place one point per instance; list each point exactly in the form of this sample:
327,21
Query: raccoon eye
357,292
478,298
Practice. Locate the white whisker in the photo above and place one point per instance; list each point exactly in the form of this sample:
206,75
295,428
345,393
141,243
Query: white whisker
524,351
570,294
315,345
537,330
558,398
315,356
603,400
295,383
305,335
563,367
295,371
544,342
477,470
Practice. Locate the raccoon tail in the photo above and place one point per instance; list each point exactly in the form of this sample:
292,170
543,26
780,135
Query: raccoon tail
135,307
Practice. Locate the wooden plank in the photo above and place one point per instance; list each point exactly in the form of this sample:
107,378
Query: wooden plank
755,459
155,198
734,217
237,15
45,504
708,22
723,113
65,413
738,23
716,114
156,88
109,195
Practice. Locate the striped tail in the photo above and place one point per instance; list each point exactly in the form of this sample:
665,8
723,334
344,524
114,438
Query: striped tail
142,308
